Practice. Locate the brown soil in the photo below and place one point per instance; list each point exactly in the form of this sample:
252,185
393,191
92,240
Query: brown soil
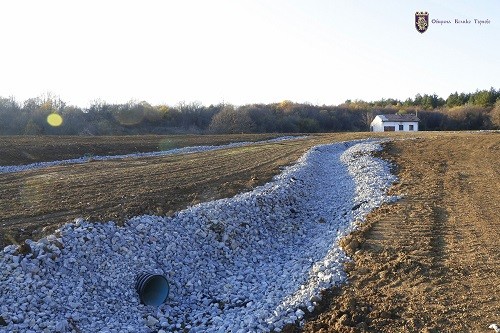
34,203
430,262
16,150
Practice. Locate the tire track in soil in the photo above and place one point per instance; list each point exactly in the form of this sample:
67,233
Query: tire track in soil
16,150
430,262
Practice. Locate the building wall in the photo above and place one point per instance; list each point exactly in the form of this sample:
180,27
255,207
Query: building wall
378,125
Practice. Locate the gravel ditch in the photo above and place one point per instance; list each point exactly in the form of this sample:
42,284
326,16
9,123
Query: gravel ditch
251,263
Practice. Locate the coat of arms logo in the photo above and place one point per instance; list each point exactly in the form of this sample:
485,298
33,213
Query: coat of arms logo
421,21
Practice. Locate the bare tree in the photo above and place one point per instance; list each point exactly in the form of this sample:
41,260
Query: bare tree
230,120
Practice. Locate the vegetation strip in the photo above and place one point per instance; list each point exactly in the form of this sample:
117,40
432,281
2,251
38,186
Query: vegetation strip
479,110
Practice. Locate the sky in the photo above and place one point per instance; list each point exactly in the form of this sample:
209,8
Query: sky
245,51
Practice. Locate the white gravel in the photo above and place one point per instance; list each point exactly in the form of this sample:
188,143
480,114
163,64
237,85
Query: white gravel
251,263
176,151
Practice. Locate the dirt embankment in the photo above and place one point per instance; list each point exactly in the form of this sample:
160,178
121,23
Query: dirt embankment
430,262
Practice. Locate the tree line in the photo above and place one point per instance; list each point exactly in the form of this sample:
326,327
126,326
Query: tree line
465,111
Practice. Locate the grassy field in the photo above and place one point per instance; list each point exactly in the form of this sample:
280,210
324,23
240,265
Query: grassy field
428,263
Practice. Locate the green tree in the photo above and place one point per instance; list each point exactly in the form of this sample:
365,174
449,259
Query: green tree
453,100
484,98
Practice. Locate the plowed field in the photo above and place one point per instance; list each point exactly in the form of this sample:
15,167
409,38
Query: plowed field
33,203
430,262
15,150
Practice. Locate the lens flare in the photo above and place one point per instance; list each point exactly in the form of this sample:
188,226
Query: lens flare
54,120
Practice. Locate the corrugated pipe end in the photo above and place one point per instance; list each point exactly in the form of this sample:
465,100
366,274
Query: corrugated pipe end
153,289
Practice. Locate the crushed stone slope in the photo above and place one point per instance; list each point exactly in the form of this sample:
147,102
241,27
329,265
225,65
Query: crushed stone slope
254,262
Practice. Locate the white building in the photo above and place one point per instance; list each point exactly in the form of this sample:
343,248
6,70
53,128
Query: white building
394,123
